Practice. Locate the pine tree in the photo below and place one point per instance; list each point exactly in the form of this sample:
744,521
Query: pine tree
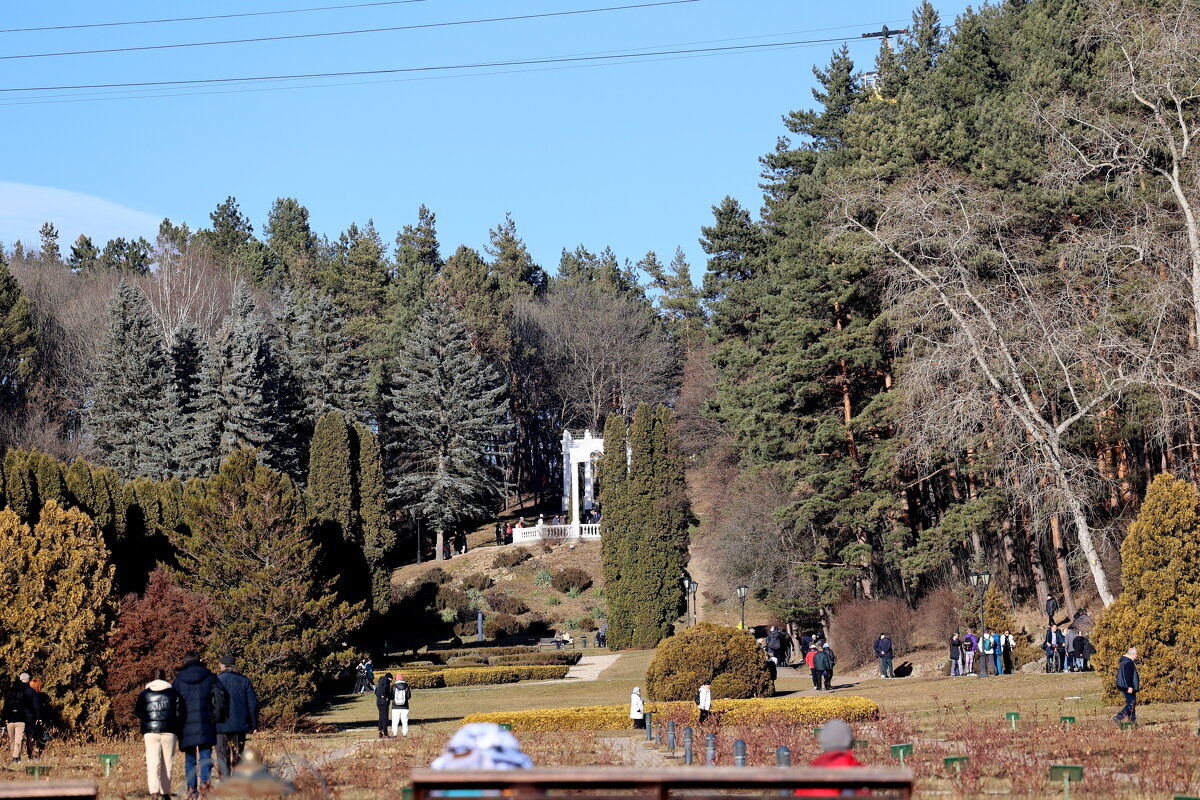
130,256
511,260
18,342
127,416
1159,610
50,252
322,359
446,426
377,535
84,256
58,610
292,243
358,279
418,262
238,401
248,547
681,302
185,365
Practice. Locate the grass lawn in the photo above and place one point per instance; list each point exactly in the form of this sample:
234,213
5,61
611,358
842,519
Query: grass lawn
441,709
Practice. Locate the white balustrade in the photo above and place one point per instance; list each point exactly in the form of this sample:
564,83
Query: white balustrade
555,533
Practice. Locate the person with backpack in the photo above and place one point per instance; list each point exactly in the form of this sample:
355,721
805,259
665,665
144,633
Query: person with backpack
22,711
704,701
401,694
987,654
241,719
205,703
383,699
970,644
159,709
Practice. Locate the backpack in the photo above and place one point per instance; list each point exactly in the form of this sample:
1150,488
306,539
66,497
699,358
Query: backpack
697,697
400,694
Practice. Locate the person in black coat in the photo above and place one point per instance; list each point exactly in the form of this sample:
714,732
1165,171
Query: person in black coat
1129,684
22,711
204,704
383,696
1051,607
241,718
159,709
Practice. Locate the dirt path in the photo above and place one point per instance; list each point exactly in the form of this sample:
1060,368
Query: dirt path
635,753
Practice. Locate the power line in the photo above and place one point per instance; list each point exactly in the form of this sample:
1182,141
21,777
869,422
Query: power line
349,33
143,93
210,17
399,70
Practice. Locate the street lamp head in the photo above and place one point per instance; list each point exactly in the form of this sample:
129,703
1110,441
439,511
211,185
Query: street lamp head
742,591
693,586
985,578
974,576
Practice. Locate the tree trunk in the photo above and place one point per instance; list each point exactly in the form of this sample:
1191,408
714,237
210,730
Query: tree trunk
1060,559
440,546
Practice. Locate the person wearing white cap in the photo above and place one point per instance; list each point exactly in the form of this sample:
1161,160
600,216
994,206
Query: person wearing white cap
637,709
482,745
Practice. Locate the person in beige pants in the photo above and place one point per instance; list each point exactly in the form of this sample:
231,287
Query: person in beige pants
22,709
159,709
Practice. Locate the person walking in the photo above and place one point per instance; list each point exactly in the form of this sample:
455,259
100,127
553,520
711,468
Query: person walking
204,705
956,651
1054,645
1051,607
998,651
704,701
360,677
241,719
775,644
499,533
602,635
159,710
883,650
1129,683
37,736
637,709
970,643
829,668
820,666
383,699
22,711
401,694
1069,648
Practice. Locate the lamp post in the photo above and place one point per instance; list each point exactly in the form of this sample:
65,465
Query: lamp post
692,587
980,581
741,593
687,611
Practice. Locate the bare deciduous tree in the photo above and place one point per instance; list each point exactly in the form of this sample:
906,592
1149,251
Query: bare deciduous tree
599,352
1008,339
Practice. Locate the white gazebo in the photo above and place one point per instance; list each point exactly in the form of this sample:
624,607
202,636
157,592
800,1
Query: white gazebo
577,449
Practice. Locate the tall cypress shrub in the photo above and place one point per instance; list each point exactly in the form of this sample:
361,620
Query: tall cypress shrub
616,534
1159,610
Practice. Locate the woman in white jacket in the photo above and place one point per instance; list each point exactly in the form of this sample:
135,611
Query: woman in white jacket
637,709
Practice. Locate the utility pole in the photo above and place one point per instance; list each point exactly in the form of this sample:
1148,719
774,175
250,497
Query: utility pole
885,34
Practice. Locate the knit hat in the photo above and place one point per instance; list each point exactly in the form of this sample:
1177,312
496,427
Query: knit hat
228,661
836,735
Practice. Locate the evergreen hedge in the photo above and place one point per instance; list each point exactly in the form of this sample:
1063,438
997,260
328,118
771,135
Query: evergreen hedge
727,658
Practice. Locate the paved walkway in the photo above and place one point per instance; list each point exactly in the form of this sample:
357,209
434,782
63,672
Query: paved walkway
634,752
590,667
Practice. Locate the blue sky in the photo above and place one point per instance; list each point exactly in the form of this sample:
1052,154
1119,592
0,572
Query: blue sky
627,155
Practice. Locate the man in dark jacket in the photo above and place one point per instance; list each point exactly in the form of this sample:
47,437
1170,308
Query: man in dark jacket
1054,644
241,718
820,665
22,710
883,651
159,709
1051,607
204,705
1129,684
383,697
775,644
830,664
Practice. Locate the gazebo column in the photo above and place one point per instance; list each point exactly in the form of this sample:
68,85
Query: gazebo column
589,472
574,501
567,482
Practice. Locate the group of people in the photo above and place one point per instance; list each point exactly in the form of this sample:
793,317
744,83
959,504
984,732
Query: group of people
988,654
199,712
392,695
24,709
364,676
1067,650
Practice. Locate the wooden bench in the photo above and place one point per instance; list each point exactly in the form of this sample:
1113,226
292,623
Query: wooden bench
49,790
658,783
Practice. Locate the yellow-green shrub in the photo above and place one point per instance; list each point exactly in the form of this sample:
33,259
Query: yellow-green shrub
482,676
727,658
800,710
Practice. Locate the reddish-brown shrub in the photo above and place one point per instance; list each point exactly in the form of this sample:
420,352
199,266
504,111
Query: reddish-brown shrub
571,578
506,604
856,625
938,615
479,582
154,631
502,625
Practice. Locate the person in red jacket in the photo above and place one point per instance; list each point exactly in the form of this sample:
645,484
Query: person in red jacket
837,744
